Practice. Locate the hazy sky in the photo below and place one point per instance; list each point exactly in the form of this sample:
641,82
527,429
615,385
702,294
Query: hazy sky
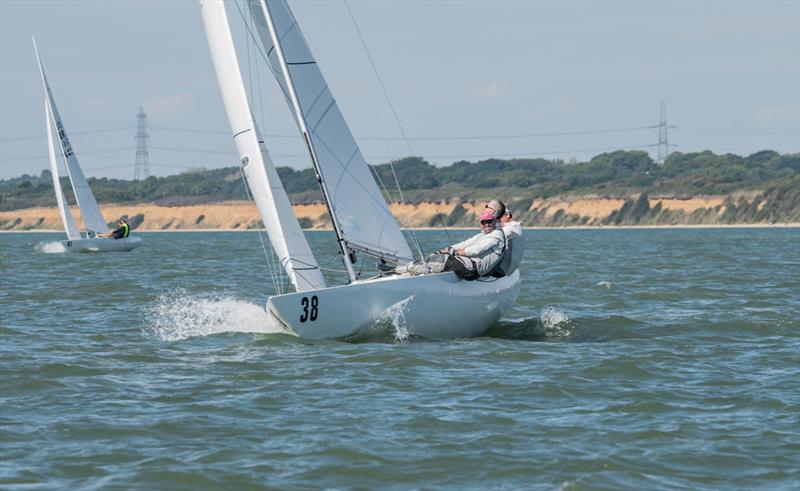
728,71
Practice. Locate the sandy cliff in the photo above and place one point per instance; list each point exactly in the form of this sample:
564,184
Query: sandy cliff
597,211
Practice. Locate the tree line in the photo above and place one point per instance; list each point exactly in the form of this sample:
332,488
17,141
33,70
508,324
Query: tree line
618,174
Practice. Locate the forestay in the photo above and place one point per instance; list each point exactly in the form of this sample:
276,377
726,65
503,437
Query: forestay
362,216
284,231
66,217
90,212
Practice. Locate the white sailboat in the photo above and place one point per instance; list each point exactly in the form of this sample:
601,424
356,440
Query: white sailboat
93,220
436,306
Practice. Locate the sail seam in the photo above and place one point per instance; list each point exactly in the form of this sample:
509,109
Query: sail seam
316,99
349,161
324,113
360,184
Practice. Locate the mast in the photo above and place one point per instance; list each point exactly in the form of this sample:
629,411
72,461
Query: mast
348,264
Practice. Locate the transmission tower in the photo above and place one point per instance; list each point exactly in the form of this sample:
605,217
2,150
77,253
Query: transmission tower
663,134
142,167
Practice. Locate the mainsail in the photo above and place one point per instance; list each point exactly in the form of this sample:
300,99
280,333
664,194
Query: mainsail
90,212
284,231
360,214
66,217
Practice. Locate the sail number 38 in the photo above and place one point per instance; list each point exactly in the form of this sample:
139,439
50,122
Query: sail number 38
309,313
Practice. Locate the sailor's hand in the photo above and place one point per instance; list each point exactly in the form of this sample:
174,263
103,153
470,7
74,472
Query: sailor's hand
446,251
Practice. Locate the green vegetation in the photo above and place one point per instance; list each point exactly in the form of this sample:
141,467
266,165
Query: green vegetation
617,174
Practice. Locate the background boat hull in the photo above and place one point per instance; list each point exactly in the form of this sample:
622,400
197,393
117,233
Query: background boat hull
102,244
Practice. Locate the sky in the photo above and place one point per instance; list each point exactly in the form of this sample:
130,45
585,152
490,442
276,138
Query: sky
468,80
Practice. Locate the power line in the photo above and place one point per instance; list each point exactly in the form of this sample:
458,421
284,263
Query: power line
439,137
743,131
191,130
530,154
194,150
511,136
39,157
72,133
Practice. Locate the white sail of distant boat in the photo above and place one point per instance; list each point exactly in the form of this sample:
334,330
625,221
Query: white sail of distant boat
433,305
66,217
93,220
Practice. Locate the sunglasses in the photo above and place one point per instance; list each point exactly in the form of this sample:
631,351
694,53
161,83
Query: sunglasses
487,222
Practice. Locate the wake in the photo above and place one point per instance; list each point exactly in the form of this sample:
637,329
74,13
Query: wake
550,325
50,248
176,316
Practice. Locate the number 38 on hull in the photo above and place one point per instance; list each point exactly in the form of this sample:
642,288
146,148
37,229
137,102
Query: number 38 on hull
435,306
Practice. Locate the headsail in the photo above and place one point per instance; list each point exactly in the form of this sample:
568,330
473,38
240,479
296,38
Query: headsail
362,217
284,231
90,212
66,216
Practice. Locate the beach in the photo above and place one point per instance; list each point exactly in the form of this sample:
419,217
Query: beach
591,212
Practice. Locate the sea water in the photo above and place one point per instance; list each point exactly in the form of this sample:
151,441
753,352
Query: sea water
633,359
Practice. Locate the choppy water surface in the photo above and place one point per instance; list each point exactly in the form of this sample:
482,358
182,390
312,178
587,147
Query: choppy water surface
633,359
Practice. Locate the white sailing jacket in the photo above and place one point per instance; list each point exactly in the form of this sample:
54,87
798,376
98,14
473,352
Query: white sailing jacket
485,249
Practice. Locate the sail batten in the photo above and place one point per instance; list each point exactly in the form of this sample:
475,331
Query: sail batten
360,213
285,234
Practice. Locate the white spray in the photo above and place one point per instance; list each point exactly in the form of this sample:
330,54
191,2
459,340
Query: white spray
177,316
395,314
554,322
50,247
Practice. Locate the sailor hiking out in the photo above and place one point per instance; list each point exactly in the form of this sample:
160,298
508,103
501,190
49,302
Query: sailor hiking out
121,232
470,259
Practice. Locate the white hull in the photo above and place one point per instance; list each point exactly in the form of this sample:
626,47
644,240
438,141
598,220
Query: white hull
102,244
436,306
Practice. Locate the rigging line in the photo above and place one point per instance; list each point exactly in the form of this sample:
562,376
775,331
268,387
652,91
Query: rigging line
277,277
255,88
275,283
377,175
258,48
277,271
396,119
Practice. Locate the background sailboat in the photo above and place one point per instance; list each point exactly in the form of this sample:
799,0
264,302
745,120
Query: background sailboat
93,220
434,306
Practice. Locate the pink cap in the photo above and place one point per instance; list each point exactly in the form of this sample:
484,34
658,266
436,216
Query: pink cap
488,214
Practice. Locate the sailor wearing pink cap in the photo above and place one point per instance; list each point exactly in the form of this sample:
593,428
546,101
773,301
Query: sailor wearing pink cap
470,259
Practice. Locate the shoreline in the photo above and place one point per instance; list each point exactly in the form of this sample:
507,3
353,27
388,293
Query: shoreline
541,214
423,229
